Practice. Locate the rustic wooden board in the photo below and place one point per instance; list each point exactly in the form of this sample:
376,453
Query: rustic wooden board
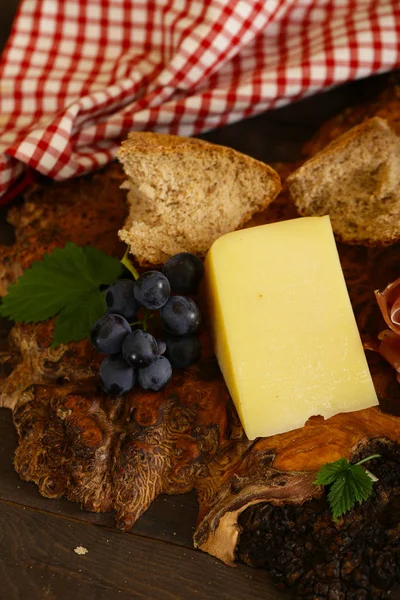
37,560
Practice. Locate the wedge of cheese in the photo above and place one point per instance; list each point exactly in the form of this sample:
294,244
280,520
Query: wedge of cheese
283,327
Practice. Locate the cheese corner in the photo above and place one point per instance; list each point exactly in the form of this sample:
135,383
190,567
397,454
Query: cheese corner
283,327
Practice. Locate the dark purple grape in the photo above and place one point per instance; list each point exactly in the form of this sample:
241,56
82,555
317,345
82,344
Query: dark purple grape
121,300
183,351
116,375
184,271
180,316
157,375
139,349
108,333
152,289
162,346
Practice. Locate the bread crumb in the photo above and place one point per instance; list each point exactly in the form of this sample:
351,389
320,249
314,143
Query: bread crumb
81,550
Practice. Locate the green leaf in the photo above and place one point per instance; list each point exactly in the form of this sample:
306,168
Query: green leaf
348,483
341,496
329,472
75,320
362,483
66,282
47,286
104,269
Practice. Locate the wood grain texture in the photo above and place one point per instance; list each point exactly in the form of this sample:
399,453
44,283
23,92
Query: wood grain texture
37,560
170,518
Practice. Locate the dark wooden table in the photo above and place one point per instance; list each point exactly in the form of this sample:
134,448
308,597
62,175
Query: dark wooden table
156,560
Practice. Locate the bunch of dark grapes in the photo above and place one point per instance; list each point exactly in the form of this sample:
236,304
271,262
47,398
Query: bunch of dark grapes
134,355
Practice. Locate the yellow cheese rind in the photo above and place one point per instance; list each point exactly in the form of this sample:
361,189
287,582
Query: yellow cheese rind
283,327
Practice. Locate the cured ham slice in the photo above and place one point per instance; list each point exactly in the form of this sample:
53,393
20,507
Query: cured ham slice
389,303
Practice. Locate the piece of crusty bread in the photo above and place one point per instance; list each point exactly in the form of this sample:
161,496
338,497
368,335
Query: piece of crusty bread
356,180
184,193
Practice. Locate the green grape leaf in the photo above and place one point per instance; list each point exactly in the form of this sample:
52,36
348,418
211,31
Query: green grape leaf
65,283
75,320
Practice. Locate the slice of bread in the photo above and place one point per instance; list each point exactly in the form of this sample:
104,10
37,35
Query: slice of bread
356,180
184,193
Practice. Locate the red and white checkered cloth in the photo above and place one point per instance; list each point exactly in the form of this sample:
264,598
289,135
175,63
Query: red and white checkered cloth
77,75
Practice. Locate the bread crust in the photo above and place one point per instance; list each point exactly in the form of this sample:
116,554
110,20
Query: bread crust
386,106
373,124
142,151
384,226
149,142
